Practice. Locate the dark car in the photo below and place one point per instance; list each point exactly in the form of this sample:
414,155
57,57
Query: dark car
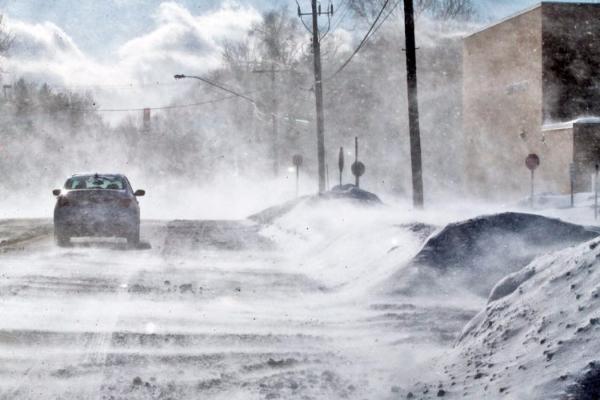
101,205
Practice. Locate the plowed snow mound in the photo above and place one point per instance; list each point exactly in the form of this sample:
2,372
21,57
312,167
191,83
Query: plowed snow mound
538,340
475,254
346,192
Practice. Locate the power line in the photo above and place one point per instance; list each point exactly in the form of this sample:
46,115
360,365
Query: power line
385,18
362,42
100,85
301,19
344,6
136,109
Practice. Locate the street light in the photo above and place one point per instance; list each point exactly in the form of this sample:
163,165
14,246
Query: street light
217,85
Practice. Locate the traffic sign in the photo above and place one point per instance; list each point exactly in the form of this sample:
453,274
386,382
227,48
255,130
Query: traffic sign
358,169
532,161
297,160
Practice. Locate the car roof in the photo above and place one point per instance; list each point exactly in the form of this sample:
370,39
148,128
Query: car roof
97,173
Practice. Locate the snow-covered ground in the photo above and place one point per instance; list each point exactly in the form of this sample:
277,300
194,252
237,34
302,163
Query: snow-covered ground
320,299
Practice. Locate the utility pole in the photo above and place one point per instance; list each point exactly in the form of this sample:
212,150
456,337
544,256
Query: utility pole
413,105
274,110
316,44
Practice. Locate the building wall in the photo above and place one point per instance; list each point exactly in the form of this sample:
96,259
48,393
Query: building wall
556,155
587,151
502,105
571,60
571,77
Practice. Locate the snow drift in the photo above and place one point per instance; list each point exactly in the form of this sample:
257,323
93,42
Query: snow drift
538,336
351,193
473,255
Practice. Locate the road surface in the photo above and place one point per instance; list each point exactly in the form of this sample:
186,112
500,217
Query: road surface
202,310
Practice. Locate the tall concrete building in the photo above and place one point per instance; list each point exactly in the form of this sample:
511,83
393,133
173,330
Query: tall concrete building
532,85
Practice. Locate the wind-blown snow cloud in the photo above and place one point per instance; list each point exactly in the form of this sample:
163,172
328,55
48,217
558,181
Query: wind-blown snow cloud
183,42
179,42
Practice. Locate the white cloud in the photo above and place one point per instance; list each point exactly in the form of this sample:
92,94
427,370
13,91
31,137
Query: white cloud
179,42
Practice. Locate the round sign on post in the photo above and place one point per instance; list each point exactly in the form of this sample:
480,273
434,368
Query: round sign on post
532,161
297,160
358,170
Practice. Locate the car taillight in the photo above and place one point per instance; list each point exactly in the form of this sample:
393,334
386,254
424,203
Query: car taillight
63,202
125,202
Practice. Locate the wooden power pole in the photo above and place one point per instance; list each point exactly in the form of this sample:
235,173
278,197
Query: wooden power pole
316,45
413,105
318,95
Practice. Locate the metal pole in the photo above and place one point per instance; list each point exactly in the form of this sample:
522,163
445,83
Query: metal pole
596,192
318,96
413,105
327,170
572,176
532,189
341,164
297,180
357,182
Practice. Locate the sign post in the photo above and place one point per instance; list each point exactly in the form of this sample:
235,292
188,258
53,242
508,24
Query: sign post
532,162
341,164
358,168
356,159
596,192
572,177
297,160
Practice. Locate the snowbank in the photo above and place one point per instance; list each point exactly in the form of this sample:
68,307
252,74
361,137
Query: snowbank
538,336
343,242
346,192
471,256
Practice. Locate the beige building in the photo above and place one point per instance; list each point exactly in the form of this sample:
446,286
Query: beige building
531,85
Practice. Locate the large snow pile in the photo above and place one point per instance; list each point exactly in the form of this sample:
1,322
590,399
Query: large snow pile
343,243
349,193
538,336
354,192
475,254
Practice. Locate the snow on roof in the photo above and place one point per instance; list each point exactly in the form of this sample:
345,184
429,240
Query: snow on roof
524,11
500,21
557,126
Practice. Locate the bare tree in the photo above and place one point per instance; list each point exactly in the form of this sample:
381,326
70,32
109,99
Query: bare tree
437,9
6,38
447,9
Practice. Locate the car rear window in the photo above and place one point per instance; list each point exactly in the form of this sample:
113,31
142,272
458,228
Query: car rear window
109,182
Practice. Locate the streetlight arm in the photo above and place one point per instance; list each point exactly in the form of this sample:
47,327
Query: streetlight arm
217,85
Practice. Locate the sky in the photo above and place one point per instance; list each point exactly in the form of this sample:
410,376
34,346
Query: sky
117,42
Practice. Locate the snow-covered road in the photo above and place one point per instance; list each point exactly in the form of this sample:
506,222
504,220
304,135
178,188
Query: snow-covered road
212,310
323,300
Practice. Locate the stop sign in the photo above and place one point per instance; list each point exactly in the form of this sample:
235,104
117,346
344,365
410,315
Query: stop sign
532,161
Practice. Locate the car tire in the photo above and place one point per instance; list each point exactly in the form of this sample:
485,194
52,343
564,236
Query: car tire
61,239
133,238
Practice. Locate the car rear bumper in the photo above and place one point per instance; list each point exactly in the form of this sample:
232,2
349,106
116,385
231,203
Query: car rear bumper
74,221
